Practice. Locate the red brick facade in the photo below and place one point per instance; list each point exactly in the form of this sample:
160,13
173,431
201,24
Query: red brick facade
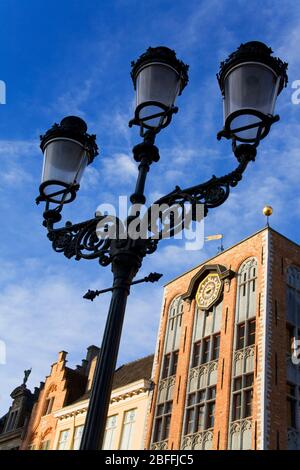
63,386
272,253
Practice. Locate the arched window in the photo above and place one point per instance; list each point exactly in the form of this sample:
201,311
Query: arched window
167,375
202,382
174,325
293,295
246,303
12,421
293,348
171,349
240,428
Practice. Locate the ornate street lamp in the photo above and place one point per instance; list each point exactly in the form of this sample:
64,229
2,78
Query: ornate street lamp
158,78
67,150
250,80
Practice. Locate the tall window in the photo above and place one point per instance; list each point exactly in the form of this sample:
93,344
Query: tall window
128,429
168,372
200,410
170,364
293,371
206,350
77,437
201,396
162,421
240,428
206,346
293,307
110,433
242,397
63,439
174,326
48,406
12,420
245,334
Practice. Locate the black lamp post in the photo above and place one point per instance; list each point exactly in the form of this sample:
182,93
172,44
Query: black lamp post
250,80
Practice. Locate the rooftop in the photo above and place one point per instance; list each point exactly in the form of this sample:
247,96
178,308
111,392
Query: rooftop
129,373
229,248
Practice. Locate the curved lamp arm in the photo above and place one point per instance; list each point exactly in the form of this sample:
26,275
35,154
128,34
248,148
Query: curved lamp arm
213,192
82,241
210,194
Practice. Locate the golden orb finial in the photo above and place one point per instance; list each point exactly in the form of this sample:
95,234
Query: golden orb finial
267,211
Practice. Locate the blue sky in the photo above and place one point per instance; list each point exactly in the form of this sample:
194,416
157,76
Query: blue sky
73,57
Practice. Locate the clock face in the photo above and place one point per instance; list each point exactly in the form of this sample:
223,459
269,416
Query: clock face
208,291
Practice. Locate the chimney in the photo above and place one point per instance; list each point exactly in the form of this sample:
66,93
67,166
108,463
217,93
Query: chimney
84,364
92,351
62,356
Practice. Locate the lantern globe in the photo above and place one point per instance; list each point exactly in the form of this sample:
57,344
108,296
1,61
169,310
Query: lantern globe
158,78
67,150
250,81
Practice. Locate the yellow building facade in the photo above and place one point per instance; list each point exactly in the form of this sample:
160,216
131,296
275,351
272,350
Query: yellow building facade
125,423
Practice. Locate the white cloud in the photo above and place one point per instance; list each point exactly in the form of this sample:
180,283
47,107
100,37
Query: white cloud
42,315
119,169
12,154
16,175
91,178
17,148
72,101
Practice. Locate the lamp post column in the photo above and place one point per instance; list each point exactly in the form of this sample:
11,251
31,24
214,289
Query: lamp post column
126,255
125,265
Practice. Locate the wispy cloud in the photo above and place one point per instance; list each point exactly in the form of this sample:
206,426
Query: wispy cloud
35,324
119,168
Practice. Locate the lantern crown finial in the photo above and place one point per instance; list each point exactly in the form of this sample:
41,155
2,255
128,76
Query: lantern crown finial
75,123
72,127
161,54
254,51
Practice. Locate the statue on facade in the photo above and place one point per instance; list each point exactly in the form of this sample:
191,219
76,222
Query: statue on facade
27,373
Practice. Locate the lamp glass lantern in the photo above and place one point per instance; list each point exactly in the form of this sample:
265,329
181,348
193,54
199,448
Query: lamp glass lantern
250,80
158,77
67,151
64,163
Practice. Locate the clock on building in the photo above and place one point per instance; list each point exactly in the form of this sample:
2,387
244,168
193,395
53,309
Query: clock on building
208,291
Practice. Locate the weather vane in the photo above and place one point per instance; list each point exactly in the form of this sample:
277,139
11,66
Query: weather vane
219,236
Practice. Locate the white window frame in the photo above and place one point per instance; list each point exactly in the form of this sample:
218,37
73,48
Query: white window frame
62,442
110,432
129,421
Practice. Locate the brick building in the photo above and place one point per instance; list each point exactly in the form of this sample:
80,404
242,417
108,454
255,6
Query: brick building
58,416
127,413
13,424
223,367
62,387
